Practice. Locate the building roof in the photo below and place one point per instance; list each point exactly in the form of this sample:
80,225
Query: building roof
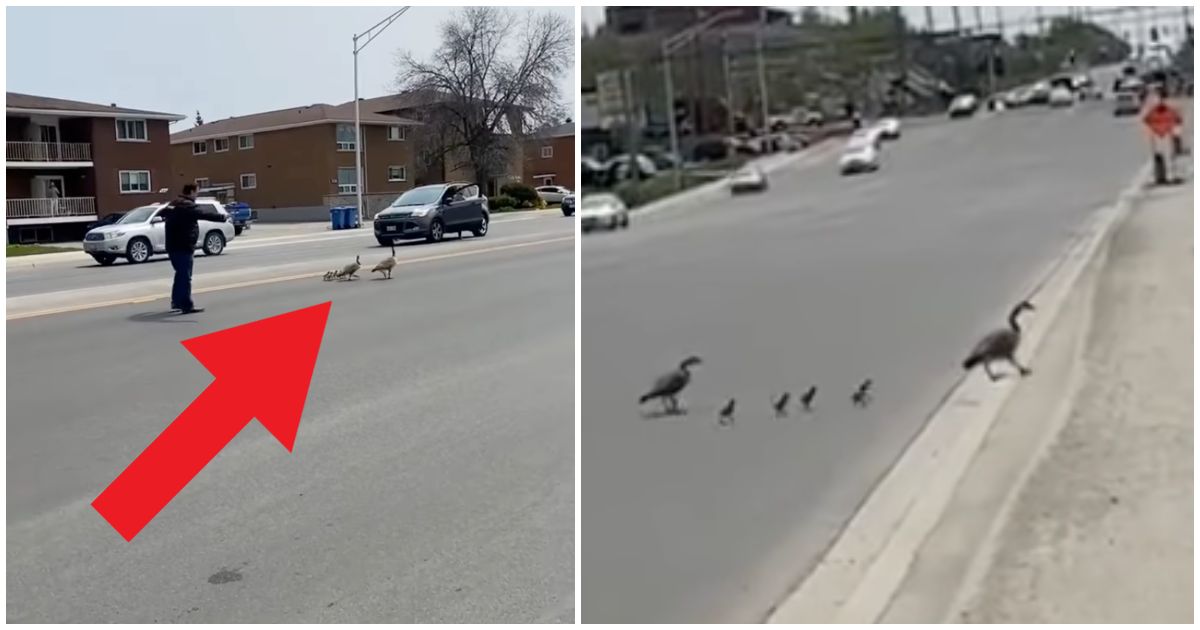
27,103
319,113
556,131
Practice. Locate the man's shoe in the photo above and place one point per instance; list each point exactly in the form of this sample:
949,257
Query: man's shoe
194,309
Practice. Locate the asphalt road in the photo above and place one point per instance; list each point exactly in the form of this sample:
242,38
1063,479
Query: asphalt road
822,280
432,478
253,252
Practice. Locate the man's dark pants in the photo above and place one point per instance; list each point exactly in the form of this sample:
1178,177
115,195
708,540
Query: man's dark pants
181,290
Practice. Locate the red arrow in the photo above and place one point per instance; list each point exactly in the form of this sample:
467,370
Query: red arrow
261,370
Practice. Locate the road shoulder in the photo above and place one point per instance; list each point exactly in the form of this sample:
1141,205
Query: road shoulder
1111,494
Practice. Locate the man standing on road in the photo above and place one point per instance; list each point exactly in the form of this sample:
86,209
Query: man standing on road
182,231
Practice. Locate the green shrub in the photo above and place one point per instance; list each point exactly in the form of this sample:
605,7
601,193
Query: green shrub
524,195
502,202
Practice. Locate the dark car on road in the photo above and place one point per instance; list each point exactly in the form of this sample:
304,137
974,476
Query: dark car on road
430,212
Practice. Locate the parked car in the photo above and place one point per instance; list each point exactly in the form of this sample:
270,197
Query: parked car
108,219
860,155
963,105
1061,97
242,216
568,205
889,127
748,179
1039,93
141,233
429,212
1128,103
602,210
552,194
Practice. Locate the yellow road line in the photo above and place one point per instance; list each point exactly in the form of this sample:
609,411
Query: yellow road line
262,281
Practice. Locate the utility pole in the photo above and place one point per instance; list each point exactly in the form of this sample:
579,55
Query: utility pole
957,21
762,81
1041,24
999,21
902,50
632,126
929,26
370,34
979,18
729,108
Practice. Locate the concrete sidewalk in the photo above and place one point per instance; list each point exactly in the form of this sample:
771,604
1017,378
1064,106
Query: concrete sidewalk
1101,531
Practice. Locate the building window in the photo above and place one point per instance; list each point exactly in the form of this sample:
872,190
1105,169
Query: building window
397,174
246,142
135,181
249,180
200,148
220,145
201,182
131,130
345,137
346,181
397,133
547,152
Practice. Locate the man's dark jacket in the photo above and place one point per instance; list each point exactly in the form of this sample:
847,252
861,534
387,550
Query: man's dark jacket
181,227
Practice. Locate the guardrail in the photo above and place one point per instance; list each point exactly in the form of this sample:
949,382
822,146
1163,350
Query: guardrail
49,152
50,208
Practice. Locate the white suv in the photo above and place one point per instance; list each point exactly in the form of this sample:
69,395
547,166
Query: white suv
141,233
552,194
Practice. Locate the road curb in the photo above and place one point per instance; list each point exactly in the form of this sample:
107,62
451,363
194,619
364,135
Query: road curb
865,566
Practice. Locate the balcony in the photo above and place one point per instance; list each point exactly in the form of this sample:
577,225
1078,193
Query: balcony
33,154
61,210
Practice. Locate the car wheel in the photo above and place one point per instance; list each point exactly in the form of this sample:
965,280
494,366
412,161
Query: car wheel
614,223
138,250
567,213
482,228
104,259
436,231
624,220
385,242
214,243
237,230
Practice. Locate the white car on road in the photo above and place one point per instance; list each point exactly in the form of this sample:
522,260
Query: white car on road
1061,97
141,233
889,127
963,105
748,179
861,154
552,194
602,210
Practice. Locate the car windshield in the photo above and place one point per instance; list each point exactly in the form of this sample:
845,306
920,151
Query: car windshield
599,201
138,215
420,196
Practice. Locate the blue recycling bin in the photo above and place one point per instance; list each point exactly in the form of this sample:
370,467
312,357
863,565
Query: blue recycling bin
350,217
337,218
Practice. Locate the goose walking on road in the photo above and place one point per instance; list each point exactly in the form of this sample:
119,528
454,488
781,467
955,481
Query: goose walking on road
862,396
807,398
386,265
781,405
668,386
725,416
348,271
1000,345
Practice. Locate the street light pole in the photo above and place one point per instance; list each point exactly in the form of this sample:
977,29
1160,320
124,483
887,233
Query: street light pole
369,34
671,116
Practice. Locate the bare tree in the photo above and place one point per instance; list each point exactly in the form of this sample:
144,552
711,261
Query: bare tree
495,74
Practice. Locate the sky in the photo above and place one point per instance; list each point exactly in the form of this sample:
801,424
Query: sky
222,61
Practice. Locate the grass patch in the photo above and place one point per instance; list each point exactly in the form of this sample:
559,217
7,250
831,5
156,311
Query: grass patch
30,250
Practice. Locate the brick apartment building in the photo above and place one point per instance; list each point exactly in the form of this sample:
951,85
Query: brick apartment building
293,164
68,163
549,157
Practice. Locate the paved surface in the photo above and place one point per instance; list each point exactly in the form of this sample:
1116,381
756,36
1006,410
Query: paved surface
259,253
824,280
1114,495
432,478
